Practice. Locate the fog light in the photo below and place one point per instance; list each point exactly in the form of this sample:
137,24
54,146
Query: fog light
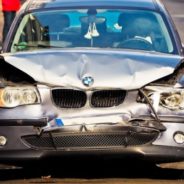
179,137
3,140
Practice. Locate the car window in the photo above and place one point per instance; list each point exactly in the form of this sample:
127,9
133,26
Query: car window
101,28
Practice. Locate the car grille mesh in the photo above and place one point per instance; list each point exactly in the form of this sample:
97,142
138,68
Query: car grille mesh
90,140
69,98
107,98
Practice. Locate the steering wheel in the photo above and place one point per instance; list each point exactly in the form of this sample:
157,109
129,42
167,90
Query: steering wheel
136,43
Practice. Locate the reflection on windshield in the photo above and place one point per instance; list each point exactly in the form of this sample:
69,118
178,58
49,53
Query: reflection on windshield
101,28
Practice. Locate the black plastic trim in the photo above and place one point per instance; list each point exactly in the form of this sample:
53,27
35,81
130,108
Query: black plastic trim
24,122
152,153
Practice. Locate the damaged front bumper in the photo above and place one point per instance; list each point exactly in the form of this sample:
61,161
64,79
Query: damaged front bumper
28,142
133,128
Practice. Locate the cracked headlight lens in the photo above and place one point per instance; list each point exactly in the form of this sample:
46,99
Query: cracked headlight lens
173,100
15,96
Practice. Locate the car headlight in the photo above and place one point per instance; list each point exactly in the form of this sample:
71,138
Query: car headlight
15,96
172,100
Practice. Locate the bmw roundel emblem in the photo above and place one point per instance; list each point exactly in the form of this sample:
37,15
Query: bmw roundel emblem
88,81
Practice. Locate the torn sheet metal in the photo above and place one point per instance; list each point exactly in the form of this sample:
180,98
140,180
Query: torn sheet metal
114,69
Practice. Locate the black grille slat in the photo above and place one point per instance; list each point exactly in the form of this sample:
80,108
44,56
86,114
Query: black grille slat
69,98
107,98
92,140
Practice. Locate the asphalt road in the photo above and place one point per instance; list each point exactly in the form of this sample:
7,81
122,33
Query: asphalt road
99,171
92,171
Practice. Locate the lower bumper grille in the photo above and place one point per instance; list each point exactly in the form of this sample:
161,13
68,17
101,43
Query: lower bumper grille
89,140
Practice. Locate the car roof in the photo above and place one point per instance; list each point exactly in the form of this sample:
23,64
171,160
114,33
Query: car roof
47,4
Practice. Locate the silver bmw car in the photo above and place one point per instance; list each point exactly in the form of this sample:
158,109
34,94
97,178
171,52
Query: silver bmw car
92,77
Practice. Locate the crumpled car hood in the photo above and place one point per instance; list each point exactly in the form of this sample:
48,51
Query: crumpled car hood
109,69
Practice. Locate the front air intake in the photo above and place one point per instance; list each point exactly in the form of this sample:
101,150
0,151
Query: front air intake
69,98
89,140
107,98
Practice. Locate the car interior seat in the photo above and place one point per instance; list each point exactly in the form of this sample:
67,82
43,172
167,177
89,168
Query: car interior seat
135,28
54,24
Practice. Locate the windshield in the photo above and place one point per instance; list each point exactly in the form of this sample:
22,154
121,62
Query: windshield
93,28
